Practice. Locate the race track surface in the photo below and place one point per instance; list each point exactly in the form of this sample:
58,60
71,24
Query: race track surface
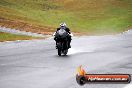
35,63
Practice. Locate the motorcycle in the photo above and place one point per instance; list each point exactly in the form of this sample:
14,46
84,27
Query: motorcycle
62,47
62,42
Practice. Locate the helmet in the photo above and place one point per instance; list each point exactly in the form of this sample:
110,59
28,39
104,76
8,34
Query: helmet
63,24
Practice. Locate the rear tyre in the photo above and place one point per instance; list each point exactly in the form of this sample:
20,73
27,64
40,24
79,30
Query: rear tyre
59,52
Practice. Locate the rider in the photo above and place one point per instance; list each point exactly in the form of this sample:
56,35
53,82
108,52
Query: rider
63,26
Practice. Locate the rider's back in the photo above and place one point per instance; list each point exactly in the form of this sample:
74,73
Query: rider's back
61,33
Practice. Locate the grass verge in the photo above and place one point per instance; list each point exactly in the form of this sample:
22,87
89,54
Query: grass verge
87,16
13,37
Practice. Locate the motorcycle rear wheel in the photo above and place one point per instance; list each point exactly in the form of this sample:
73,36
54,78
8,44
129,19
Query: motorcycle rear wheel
59,52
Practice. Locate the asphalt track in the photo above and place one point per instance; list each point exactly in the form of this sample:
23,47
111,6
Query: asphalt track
35,64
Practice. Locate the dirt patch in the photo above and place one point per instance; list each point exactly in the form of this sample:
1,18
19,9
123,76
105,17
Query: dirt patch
26,26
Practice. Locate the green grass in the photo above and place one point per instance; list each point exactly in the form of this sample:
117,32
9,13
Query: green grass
91,16
12,37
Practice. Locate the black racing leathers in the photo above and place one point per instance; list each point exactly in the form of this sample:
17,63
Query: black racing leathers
68,37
